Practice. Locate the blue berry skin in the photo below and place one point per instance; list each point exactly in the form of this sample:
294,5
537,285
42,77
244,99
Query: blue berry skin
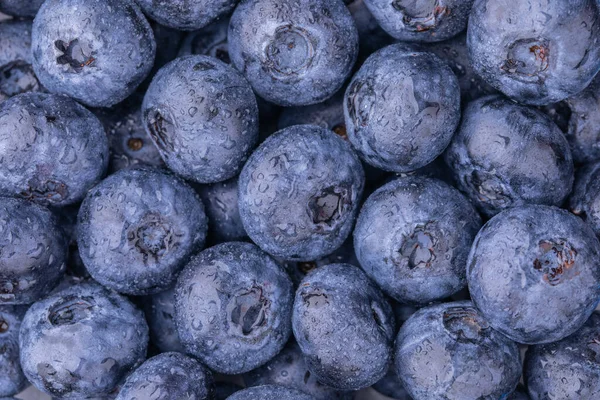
506,155
12,380
299,193
413,237
289,369
160,315
535,52
208,41
20,8
270,392
81,341
61,150
585,199
567,369
402,108
293,52
391,386
448,351
344,326
533,273
186,15
421,20
169,376
233,307
16,72
34,251
455,52
221,202
95,51
202,116
145,219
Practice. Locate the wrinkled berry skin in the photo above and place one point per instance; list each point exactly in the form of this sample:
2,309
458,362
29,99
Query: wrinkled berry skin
208,41
506,155
16,72
401,108
567,369
293,52
421,20
455,52
533,273
233,307
391,386
344,327
585,199
160,315
202,116
81,341
270,392
34,251
221,202
299,193
96,52
535,52
449,351
413,237
289,369
169,376
20,8
12,380
186,15
60,152
137,229
583,129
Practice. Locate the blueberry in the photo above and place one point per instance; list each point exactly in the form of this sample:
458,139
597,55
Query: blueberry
160,314
80,342
270,392
344,327
421,20
402,108
328,114
208,41
221,202
413,237
20,8
96,52
505,155
233,307
12,380
168,42
168,376
370,35
202,116
16,72
533,273
293,53
299,193
585,199
129,143
33,249
449,351
455,52
186,15
535,52
144,219
289,369
567,369
391,386
60,152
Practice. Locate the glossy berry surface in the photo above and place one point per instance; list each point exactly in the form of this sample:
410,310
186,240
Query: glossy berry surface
186,15
12,379
270,392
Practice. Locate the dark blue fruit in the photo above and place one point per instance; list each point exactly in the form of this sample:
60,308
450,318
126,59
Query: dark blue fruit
533,273
168,376
233,307
344,326
81,341
20,8
208,41
391,386
270,392
137,229
585,199
299,193
160,315
202,116
12,380
186,15
449,351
